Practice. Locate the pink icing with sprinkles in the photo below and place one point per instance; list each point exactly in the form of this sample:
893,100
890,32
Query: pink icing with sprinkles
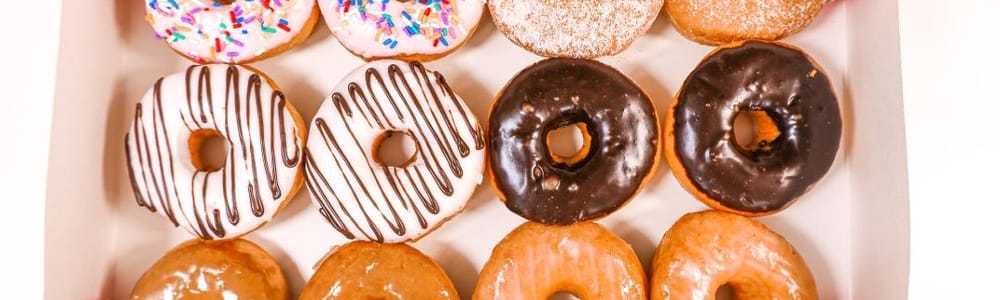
436,21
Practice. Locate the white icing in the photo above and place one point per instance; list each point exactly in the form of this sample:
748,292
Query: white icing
192,26
356,194
366,34
264,150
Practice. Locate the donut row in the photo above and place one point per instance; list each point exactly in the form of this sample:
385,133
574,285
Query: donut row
700,253
244,31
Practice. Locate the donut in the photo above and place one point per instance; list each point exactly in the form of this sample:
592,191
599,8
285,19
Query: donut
619,126
536,261
706,250
575,29
231,31
410,30
365,199
264,134
232,269
367,270
717,22
798,125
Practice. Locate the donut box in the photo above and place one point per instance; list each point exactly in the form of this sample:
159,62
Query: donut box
852,228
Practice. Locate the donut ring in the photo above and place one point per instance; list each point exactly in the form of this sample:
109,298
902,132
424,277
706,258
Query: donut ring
799,128
262,168
706,250
409,30
620,130
365,199
366,270
576,29
717,22
214,270
535,261
231,31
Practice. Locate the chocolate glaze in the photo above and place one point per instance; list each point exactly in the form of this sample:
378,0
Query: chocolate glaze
558,92
757,76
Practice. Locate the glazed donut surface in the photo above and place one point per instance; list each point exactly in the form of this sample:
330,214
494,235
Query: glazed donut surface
261,172
536,261
213,270
621,152
576,29
367,270
367,200
716,22
706,250
799,128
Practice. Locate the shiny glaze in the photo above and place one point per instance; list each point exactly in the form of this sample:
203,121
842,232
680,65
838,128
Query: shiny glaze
705,250
553,93
756,76
366,270
535,261
232,269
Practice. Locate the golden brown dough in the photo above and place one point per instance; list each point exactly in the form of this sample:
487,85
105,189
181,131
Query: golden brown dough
367,270
708,249
716,22
535,261
213,270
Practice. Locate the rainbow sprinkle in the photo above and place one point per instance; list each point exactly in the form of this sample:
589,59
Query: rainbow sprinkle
433,20
223,29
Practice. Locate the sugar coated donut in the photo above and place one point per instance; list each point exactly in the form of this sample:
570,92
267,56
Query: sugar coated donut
264,134
797,118
411,30
535,261
366,270
706,250
716,22
577,29
362,197
231,31
233,269
620,129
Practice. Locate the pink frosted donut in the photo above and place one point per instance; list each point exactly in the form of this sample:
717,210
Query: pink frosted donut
231,31
405,29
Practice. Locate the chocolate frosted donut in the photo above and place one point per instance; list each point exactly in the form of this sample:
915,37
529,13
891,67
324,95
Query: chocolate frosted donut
620,129
798,128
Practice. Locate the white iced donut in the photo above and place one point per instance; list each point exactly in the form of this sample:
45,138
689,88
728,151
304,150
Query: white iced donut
262,167
365,199
405,29
231,31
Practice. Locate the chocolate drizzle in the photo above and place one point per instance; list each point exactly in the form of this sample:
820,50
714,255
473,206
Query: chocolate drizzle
255,137
357,195
756,77
553,93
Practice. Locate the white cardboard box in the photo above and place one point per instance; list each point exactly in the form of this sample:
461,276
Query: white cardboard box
852,228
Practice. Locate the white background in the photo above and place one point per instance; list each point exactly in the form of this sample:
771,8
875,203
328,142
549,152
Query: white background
951,66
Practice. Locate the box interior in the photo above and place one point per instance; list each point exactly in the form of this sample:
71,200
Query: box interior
852,228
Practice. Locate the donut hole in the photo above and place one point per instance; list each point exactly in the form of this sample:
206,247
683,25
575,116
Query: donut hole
725,292
754,130
569,143
563,296
395,149
208,150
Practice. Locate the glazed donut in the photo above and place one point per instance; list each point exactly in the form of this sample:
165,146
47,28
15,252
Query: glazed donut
535,261
231,31
798,125
716,22
233,269
619,126
706,250
262,168
576,29
411,30
366,270
362,197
